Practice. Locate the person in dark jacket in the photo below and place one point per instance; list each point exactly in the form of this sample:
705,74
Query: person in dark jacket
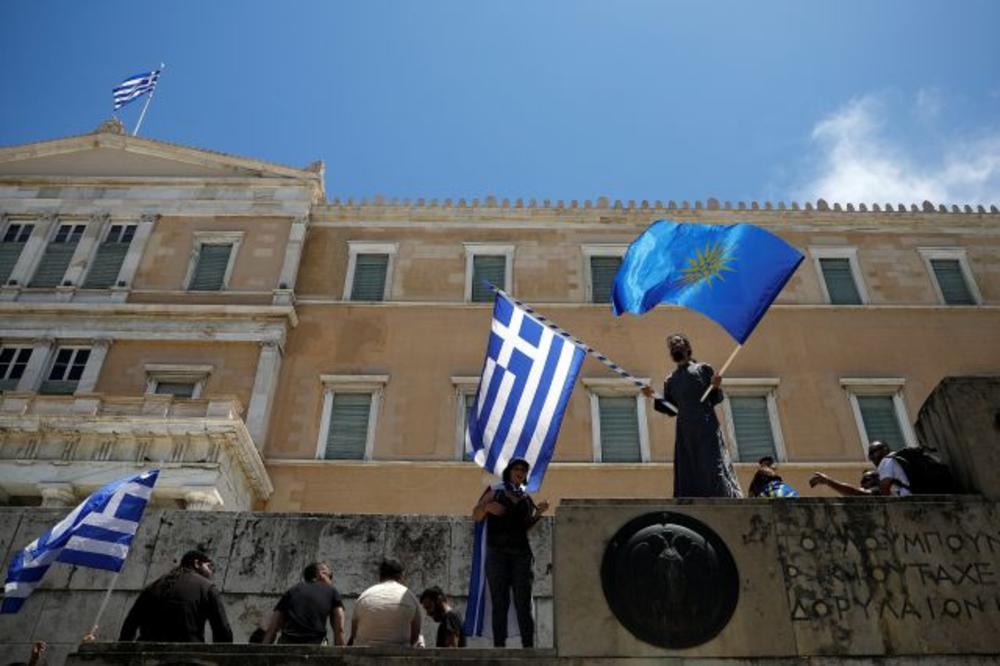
175,607
302,612
509,513
702,467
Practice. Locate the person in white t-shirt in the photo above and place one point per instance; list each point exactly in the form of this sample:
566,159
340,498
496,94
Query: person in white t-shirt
892,478
387,613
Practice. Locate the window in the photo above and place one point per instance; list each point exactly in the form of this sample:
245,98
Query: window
212,261
15,236
52,268
180,381
618,416
465,396
752,419
602,263
369,271
67,368
879,411
487,263
110,256
840,277
13,361
350,406
951,275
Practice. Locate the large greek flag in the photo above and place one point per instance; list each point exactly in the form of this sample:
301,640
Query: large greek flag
528,375
95,534
134,87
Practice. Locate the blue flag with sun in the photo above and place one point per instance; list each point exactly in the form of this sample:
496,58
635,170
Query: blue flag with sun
730,273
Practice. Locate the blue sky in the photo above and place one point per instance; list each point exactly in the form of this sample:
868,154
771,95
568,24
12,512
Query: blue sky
854,100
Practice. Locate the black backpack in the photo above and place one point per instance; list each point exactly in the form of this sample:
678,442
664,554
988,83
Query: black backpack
927,474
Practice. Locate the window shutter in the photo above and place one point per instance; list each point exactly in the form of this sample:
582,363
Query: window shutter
58,254
11,247
602,277
176,389
107,264
752,423
840,282
369,277
348,433
951,280
487,268
210,272
619,430
881,423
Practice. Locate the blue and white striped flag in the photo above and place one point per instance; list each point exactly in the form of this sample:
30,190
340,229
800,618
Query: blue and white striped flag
134,87
95,534
528,375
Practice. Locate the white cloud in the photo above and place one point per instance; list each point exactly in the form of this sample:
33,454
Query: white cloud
860,163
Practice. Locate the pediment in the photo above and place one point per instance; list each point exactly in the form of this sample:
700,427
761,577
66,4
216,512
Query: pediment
113,155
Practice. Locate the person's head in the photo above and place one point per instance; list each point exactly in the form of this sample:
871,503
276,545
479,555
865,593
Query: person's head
199,562
317,571
390,569
516,471
869,480
766,461
679,347
435,602
876,451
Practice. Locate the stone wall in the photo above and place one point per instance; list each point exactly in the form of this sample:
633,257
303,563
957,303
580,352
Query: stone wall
257,557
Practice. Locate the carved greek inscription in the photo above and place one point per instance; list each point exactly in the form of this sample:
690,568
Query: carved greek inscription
846,575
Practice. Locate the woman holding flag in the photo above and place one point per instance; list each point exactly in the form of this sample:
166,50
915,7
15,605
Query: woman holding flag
509,513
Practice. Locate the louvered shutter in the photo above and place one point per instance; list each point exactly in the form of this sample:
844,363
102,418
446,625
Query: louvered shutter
9,254
619,430
107,264
752,423
881,423
602,277
951,280
55,261
348,433
210,272
840,281
369,277
487,268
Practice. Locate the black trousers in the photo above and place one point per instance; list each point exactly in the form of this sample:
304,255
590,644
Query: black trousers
509,573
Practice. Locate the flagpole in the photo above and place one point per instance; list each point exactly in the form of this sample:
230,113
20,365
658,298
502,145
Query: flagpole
725,366
146,105
92,635
590,351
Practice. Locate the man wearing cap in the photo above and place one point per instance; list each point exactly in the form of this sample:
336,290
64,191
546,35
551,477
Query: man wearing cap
175,607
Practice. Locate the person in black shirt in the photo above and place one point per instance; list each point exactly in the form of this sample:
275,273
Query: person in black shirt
175,607
302,612
509,513
435,602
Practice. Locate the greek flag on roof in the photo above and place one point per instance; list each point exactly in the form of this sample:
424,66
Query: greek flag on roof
134,87
95,534
528,375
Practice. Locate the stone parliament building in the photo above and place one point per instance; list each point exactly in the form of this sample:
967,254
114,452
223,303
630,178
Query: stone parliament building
272,351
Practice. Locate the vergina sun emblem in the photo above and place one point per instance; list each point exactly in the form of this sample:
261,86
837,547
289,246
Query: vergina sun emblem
707,264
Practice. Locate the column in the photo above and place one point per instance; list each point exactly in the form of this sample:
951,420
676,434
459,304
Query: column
84,252
37,364
264,385
30,256
130,265
284,294
56,495
91,371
